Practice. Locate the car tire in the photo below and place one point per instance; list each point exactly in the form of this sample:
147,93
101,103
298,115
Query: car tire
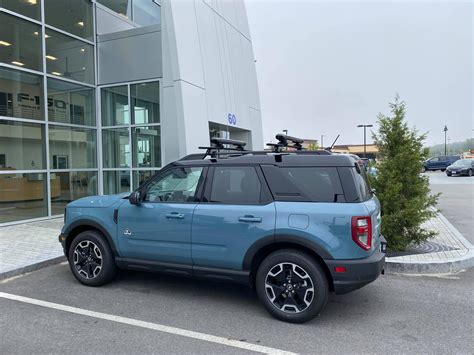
91,260
470,172
448,173
423,169
292,286
443,170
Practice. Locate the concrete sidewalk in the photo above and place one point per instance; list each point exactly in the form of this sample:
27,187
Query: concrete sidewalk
30,246
450,252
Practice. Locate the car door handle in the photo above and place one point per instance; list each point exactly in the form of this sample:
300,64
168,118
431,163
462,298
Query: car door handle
250,219
175,215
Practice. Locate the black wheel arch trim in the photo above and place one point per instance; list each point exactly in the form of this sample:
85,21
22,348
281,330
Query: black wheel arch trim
282,238
94,225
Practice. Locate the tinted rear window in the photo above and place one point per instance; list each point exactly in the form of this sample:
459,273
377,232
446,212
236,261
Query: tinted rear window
307,184
235,185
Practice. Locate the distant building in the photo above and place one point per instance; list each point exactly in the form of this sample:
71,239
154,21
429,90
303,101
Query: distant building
357,149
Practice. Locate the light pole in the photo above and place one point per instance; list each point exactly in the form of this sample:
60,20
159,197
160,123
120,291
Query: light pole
365,142
322,144
445,131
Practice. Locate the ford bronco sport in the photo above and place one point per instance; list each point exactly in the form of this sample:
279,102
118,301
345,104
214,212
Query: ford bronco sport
294,224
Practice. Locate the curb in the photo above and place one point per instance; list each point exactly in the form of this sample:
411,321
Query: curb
452,265
32,267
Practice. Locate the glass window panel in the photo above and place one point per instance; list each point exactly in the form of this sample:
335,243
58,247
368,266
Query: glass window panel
69,186
114,103
122,7
73,16
146,149
21,146
145,102
116,148
72,148
22,196
20,42
21,94
141,176
30,8
69,57
146,12
235,185
177,185
116,182
70,103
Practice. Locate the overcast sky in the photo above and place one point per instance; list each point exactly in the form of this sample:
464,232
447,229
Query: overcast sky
325,66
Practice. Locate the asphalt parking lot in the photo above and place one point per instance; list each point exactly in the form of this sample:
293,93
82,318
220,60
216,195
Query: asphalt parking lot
394,314
456,201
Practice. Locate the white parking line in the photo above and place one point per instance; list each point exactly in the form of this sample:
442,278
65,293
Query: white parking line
147,325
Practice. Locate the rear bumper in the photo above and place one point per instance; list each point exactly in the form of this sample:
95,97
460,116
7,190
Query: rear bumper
359,272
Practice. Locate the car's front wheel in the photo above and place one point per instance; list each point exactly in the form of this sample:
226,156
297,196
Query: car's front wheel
91,260
292,286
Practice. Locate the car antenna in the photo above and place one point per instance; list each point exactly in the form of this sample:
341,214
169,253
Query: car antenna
332,145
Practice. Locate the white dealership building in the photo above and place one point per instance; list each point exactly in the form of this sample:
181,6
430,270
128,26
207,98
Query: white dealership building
95,96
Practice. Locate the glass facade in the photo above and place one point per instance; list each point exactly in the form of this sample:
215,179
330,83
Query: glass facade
62,136
141,12
131,138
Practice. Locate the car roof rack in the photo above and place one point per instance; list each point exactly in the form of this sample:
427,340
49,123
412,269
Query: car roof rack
284,142
230,148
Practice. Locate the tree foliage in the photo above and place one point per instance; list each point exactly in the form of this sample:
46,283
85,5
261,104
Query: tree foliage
404,194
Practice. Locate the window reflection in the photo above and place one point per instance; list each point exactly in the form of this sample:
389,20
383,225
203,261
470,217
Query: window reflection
69,186
146,144
122,7
21,146
72,148
114,103
70,58
29,8
20,42
116,148
71,16
116,182
21,94
145,103
70,103
23,196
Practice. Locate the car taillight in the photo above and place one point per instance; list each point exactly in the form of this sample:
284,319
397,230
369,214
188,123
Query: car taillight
362,232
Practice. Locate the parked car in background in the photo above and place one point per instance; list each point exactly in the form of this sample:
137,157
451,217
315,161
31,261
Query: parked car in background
439,163
461,167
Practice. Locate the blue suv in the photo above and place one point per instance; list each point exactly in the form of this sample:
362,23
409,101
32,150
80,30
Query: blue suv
294,224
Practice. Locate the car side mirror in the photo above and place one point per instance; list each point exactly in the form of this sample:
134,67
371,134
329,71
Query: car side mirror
135,198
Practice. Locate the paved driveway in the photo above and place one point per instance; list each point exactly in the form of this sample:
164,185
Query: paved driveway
456,201
395,314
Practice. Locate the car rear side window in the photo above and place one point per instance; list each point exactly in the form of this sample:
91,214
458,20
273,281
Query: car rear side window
235,185
305,184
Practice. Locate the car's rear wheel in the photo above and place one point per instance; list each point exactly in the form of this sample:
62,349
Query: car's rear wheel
423,169
91,260
470,172
292,286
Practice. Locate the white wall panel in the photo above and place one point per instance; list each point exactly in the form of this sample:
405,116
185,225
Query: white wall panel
187,42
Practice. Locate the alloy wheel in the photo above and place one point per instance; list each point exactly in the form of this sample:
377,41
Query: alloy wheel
289,287
87,259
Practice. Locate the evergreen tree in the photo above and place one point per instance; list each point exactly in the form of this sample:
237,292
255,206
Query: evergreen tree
403,193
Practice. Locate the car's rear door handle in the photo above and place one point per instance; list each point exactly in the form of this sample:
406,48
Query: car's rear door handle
250,219
175,215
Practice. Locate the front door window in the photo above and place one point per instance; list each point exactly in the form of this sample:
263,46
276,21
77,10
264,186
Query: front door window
177,185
